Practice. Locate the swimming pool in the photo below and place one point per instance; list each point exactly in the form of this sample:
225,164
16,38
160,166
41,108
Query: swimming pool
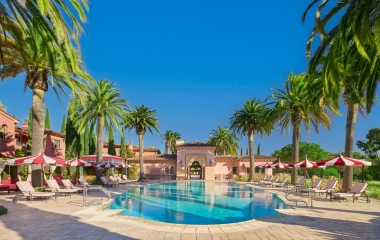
197,202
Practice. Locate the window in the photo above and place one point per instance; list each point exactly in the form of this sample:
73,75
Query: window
169,170
57,144
234,170
3,131
18,141
247,170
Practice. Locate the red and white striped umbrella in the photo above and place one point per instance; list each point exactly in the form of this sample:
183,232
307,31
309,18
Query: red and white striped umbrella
304,164
123,166
280,165
343,161
108,165
39,159
265,165
80,163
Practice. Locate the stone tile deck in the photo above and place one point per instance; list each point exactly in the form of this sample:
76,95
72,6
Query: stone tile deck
66,218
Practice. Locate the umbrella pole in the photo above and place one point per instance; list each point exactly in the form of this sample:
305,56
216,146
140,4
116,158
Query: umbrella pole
42,179
9,175
77,176
362,173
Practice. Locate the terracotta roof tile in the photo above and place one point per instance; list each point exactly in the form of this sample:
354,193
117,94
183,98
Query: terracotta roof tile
195,144
158,157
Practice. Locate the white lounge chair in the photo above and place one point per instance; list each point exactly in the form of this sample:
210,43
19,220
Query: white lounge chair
330,187
356,191
28,191
118,181
69,185
262,179
300,183
83,183
274,180
265,181
56,188
314,186
280,184
121,180
107,183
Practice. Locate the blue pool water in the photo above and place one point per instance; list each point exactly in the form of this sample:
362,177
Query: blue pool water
193,202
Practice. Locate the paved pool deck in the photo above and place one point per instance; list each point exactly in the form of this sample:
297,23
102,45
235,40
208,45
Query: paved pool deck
66,218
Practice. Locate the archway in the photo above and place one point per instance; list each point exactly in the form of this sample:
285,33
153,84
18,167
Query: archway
195,171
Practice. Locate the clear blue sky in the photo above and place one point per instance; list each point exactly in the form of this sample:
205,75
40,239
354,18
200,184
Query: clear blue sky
195,62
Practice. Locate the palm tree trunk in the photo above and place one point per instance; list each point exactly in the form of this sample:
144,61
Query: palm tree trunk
251,155
295,151
99,143
167,147
38,126
352,114
141,158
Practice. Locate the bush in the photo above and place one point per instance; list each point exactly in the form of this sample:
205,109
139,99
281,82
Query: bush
330,171
132,172
3,210
241,178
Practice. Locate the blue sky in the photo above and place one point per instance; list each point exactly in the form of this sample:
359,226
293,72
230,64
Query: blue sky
195,62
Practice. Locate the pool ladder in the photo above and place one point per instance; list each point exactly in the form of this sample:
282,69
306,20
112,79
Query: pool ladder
294,200
95,202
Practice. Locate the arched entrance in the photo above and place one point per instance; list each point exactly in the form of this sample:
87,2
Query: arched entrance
195,171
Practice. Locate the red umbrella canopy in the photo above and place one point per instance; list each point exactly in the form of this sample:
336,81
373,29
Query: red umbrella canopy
39,159
123,166
280,165
106,157
343,161
80,163
265,165
108,165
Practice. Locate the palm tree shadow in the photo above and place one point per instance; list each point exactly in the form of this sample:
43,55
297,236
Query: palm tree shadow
30,222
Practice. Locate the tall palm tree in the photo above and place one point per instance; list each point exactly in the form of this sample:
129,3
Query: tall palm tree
170,138
225,141
141,119
251,118
345,70
297,104
103,107
31,54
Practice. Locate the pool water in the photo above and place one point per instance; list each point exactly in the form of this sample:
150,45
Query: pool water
197,202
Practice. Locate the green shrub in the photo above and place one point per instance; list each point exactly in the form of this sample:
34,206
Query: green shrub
330,171
132,172
3,210
241,178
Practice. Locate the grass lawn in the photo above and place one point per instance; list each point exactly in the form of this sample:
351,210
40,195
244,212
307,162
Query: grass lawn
373,189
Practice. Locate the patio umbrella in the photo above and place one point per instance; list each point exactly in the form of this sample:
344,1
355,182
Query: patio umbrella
344,161
41,159
280,165
79,163
106,157
265,165
305,164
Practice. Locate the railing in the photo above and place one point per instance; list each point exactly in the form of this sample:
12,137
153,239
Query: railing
95,202
295,201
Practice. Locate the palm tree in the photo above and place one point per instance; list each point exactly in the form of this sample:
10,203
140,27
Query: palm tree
225,141
49,18
141,119
103,107
359,22
31,54
170,138
350,73
251,118
297,104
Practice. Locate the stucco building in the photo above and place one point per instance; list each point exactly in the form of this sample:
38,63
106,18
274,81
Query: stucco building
197,160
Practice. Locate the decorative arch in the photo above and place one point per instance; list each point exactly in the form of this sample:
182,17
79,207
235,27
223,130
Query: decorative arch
3,131
195,171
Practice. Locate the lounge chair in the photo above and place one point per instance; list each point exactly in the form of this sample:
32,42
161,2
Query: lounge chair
118,181
274,180
330,187
28,191
56,188
280,184
83,183
262,179
123,177
356,191
269,178
121,180
300,183
107,183
69,185
314,186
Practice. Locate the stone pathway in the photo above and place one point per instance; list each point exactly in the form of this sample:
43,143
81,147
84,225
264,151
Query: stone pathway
67,219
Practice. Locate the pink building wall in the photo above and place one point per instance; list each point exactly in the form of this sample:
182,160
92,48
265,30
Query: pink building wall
159,168
7,145
51,149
